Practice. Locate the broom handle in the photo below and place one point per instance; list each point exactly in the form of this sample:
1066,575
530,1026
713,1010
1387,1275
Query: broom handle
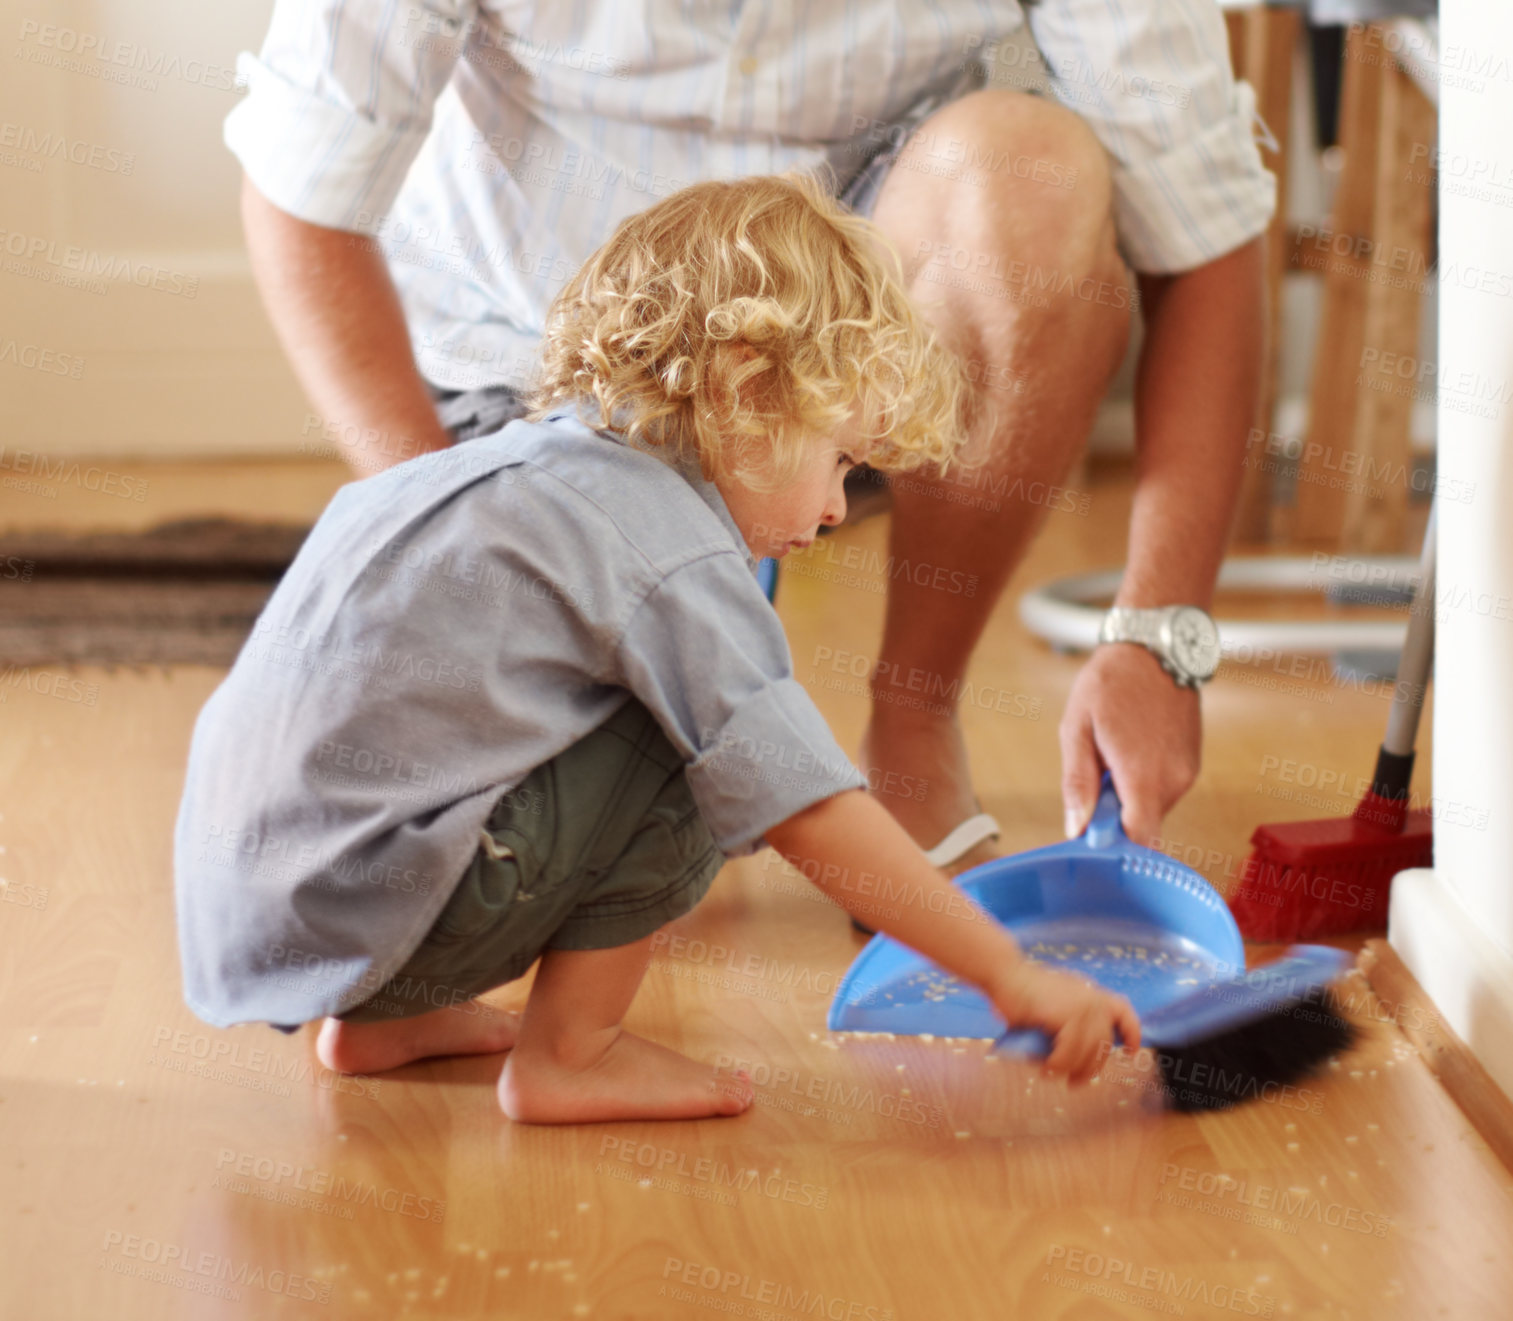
1417,658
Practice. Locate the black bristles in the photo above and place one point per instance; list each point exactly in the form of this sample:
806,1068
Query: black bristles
1261,1059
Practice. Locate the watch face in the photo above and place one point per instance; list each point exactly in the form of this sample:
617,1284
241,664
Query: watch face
1195,642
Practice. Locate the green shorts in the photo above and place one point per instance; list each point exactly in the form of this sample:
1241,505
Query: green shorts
596,848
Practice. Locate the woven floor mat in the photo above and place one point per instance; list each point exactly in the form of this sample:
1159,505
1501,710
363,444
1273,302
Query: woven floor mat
186,592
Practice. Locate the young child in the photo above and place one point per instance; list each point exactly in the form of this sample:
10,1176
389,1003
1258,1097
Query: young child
521,698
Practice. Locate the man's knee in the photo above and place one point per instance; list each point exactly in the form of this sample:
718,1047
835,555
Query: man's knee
1014,243
1013,143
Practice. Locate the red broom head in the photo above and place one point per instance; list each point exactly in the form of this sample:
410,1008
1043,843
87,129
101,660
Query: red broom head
1307,879
1387,814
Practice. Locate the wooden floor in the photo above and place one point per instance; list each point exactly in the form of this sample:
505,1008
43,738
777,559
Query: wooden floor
154,1167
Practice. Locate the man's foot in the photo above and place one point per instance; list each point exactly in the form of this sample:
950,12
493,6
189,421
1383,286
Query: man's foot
630,1078
471,1028
916,764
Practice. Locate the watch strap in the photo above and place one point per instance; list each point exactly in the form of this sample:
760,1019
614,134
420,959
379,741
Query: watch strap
1144,627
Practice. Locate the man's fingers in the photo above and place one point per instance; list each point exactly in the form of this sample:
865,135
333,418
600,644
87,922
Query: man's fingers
1143,827
1140,812
1080,774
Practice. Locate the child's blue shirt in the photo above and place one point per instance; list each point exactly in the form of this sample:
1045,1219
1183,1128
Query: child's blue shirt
448,626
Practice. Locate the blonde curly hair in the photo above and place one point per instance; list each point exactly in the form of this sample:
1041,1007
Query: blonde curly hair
738,321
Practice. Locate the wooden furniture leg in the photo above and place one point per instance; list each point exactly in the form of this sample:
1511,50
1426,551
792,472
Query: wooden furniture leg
1375,257
1262,44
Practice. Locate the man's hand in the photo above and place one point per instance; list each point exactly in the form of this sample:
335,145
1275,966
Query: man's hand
1195,397
1080,1015
1126,713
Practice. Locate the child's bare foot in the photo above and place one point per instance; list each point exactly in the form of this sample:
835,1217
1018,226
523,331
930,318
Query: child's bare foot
630,1078
470,1028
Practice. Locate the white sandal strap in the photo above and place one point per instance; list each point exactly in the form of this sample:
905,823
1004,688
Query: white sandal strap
966,837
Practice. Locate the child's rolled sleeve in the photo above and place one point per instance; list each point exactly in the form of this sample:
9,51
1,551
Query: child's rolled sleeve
705,653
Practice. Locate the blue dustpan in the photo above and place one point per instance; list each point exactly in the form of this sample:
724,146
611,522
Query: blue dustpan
1127,917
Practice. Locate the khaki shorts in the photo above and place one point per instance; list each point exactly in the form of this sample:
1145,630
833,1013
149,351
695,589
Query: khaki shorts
596,848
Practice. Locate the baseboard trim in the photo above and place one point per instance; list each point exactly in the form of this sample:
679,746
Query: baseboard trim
1441,987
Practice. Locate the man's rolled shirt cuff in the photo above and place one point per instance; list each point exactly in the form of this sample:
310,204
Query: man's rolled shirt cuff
1207,196
774,757
323,163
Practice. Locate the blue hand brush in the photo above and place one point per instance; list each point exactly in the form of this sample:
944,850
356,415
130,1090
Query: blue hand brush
1238,1039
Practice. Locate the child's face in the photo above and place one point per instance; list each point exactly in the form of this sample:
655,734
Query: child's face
776,522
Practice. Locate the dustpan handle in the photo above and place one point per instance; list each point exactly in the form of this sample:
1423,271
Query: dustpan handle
1103,829
1104,832
1029,1042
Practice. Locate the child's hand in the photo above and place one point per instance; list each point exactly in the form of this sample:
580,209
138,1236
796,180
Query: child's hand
1079,1014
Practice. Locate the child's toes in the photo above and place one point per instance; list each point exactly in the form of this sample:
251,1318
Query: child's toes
733,1090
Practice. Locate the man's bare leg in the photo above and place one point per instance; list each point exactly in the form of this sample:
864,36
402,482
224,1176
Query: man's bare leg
574,1063
1042,355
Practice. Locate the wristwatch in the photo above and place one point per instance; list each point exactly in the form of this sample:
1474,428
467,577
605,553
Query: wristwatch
1184,638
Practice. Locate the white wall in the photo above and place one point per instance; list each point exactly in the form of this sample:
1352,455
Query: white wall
189,366
1454,925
